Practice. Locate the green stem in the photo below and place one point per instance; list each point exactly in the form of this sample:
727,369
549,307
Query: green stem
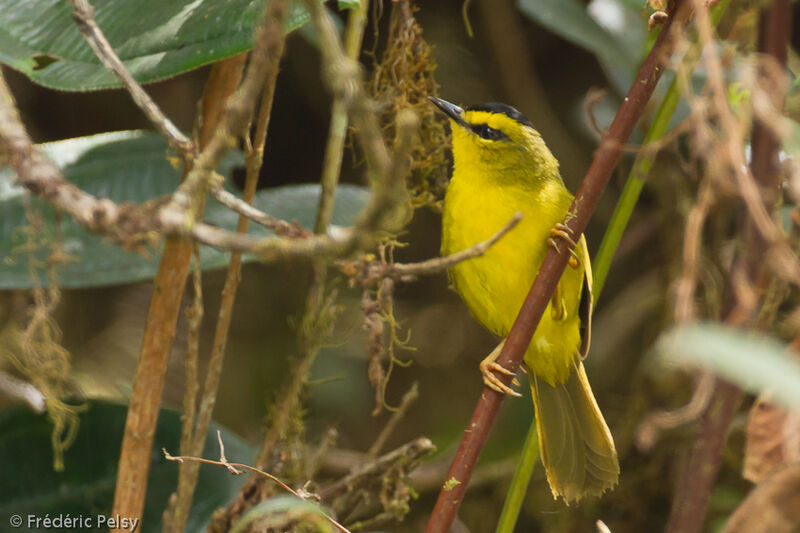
602,262
633,187
337,133
641,168
519,483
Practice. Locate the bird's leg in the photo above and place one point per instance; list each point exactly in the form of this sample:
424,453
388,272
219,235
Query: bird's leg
563,232
490,365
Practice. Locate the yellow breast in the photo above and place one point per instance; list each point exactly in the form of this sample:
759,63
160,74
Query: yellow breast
495,285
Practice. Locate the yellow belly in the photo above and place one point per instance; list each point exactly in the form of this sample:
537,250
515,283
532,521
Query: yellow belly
495,285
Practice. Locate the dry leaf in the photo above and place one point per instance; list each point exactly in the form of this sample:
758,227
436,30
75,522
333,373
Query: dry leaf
773,439
772,507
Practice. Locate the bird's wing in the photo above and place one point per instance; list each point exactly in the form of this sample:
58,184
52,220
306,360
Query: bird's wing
586,307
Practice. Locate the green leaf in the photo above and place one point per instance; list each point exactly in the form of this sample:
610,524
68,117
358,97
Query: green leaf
132,167
155,39
349,4
570,20
294,507
86,486
756,363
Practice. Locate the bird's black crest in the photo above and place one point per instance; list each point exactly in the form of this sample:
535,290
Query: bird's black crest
507,110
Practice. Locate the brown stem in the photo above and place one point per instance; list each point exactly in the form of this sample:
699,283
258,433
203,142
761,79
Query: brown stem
692,495
187,479
554,263
159,333
689,507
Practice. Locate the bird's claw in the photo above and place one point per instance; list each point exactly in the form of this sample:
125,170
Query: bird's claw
493,382
563,232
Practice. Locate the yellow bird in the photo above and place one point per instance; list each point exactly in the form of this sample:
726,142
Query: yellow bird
501,167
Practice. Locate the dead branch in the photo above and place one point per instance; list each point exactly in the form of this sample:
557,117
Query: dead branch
410,271
363,485
238,468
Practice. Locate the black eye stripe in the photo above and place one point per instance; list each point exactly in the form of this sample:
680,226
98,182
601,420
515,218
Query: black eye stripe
484,131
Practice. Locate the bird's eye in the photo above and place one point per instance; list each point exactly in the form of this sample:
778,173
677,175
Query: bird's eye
489,133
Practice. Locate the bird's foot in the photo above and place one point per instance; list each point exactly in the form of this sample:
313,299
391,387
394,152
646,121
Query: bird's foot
563,232
488,368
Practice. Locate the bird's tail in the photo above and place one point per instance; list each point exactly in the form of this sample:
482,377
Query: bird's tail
575,444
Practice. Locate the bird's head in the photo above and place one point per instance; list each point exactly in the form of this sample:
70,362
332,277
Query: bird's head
498,141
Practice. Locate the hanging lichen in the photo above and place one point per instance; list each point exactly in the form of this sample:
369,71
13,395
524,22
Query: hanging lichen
403,80
31,339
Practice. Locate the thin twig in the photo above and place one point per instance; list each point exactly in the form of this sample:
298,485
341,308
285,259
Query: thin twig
237,469
734,150
409,453
692,248
345,79
244,208
83,15
264,59
317,458
134,225
649,429
410,271
41,177
387,177
428,476
194,315
519,337
398,414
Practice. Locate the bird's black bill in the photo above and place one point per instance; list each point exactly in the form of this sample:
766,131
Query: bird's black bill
451,110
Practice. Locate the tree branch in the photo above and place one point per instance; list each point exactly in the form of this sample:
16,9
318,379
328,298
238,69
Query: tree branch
41,177
83,15
377,270
181,212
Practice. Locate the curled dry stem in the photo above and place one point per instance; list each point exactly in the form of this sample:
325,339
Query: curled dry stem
649,429
758,185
